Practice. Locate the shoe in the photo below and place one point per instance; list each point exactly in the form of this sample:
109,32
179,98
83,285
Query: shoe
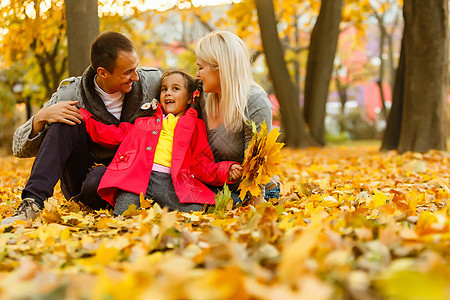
27,210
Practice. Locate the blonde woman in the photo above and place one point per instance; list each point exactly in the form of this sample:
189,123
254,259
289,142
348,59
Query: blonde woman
232,98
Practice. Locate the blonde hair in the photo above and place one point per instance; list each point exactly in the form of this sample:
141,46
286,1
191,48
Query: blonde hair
225,51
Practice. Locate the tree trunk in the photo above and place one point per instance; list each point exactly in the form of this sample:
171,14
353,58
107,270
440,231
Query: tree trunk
28,108
390,41
383,36
342,91
50,69
322,50
426,59
297,75
382,97
82,28
294,129
387,37
394,122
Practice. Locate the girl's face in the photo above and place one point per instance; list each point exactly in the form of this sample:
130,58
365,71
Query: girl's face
209,76
174,95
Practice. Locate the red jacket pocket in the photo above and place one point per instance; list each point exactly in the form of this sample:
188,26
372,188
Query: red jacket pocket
123,160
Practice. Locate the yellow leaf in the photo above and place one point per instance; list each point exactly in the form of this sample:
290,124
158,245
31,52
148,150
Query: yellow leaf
403,281
105,254
425,223
329,201
295,254
227,283
262,160
131,211
379,199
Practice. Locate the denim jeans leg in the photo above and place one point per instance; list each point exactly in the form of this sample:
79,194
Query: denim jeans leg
64,154
272,193
88,194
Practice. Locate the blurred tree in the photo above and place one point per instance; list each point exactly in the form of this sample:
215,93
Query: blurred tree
293,18
8,80
344,78
380,11
294,129
33,33
187,25
82,29
422,79
322,50
355,62
164,39
11,92
391,135
290,24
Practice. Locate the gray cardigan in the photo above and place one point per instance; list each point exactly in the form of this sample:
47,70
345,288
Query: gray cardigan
82,89
228,145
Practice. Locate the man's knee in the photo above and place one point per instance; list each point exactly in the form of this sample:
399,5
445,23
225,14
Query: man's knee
88,194
93,178
66,138
66,130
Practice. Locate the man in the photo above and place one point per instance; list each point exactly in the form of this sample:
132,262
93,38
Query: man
113,89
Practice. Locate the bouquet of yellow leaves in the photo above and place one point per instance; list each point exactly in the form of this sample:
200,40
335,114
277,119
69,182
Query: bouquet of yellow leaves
262,160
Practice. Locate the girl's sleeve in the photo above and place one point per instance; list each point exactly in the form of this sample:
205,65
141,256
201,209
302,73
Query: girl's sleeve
202,160
109,136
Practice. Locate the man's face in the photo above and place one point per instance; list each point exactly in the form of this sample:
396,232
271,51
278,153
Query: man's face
124,73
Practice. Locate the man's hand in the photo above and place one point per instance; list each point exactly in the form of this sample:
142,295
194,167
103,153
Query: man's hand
64,112
235,172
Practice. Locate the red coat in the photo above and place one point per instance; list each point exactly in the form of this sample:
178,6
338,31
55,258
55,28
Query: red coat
130,169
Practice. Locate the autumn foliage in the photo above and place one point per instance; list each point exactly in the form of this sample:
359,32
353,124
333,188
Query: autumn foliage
351,223
262,160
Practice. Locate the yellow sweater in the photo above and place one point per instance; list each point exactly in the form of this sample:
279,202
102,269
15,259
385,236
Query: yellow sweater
163,152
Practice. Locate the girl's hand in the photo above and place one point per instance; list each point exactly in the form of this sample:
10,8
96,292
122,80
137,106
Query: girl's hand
235,172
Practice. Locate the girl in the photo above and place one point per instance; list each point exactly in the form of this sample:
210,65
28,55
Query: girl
164,155
233,97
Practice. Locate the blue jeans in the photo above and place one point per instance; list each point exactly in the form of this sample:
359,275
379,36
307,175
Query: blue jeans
272,193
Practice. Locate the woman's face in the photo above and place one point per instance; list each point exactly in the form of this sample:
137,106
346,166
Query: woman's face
209,76
174,95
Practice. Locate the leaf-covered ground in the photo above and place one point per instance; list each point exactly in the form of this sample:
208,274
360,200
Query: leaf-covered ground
353,223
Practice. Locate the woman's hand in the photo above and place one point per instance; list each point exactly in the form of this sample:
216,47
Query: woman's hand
235,172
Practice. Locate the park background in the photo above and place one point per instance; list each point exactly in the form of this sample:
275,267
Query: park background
341,90
364,207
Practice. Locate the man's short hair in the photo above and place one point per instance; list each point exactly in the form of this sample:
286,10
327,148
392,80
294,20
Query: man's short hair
106,47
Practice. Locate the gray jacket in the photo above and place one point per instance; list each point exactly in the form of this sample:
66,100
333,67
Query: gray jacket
83,89
228,145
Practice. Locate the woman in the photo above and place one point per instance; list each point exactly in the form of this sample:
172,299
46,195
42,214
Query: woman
233,98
